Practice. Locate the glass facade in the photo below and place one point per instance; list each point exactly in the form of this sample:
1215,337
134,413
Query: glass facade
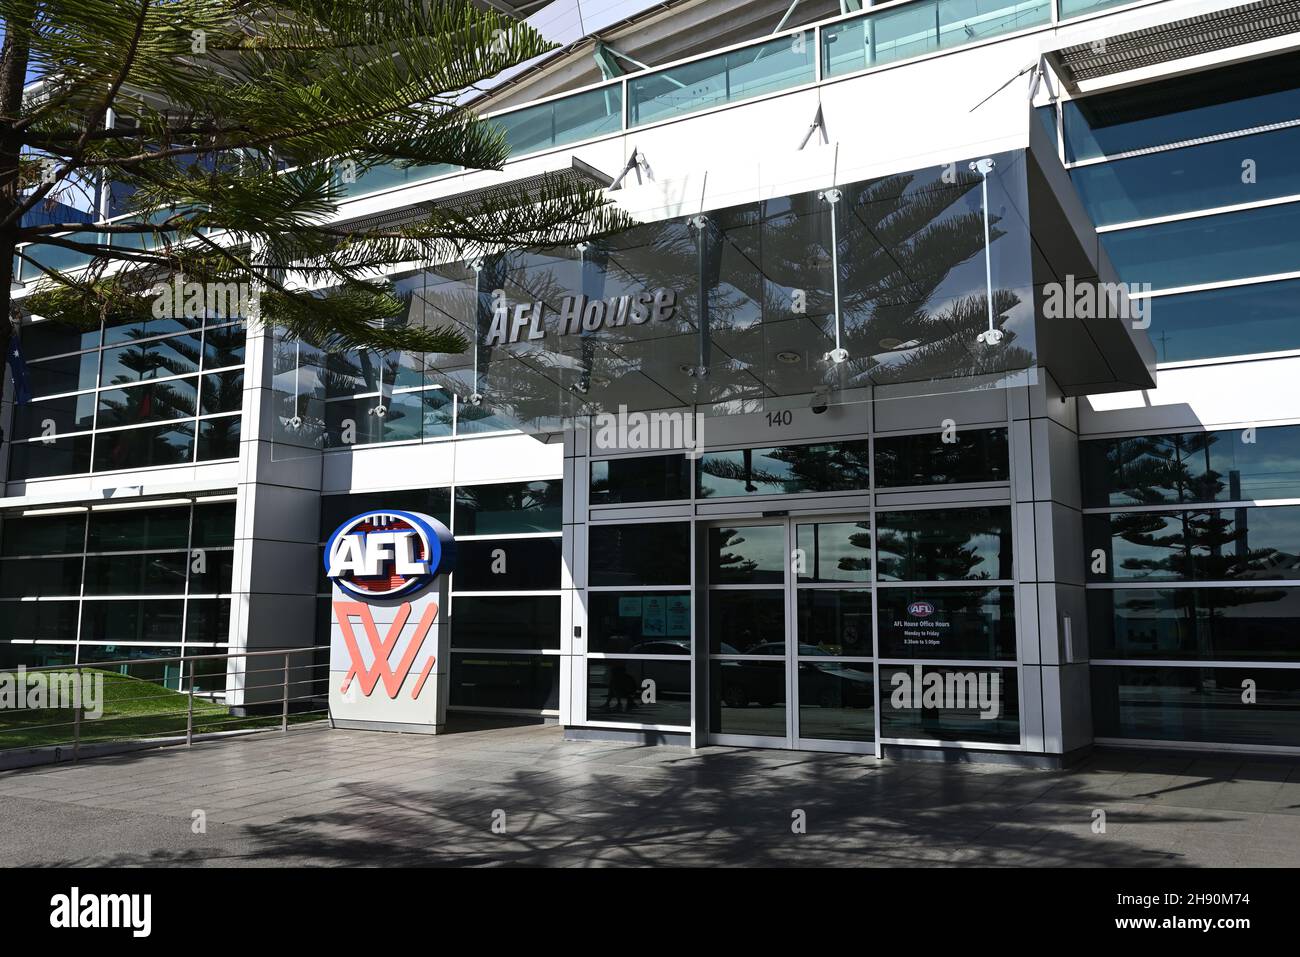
812,627
618,322
142,394
805,618
108,583
1177,594
504,614
640,625
1194,182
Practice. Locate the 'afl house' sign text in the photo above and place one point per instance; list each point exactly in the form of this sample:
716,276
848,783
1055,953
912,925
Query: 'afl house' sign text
388,643
526,321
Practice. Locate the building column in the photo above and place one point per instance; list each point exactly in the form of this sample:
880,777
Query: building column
1051,605
277,518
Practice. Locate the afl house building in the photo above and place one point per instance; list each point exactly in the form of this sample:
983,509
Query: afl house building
945,397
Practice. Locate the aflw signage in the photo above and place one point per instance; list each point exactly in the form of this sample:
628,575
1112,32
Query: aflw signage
387,640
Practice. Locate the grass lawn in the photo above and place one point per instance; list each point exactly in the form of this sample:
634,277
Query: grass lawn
133,709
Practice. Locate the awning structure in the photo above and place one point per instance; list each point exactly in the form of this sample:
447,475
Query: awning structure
880,287
1163,42
575,173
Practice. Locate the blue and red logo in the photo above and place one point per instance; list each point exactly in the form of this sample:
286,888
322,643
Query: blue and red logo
920,609
388,554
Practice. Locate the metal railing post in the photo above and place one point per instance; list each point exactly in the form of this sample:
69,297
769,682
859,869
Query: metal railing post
189,708
284,714
76,719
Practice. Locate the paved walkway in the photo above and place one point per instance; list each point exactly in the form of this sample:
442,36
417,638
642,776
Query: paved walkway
317,796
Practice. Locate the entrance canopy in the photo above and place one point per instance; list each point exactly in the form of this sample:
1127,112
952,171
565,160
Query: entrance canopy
829,296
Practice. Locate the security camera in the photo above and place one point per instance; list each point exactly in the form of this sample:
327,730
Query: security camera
379,411
295,423
475,398
821,401
990,337
837,356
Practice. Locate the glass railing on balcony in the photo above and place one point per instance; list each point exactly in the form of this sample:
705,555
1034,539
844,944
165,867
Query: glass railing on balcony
566,120
354,183
1077,8
726,78
918,28
529,130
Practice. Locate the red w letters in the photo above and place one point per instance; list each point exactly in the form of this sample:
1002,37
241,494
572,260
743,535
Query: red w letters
392,677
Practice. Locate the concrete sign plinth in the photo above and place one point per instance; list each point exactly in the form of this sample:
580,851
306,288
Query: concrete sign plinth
389,664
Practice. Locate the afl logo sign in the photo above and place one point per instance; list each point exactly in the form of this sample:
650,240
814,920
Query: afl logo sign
388,554
920,609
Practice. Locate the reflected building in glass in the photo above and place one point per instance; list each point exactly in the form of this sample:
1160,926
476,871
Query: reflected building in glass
930,404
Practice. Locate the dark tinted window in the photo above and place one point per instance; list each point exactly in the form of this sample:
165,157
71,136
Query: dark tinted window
40,576
498,680
1188,252
748,621
647,478
654,553
833,552
139,528
69,456
150,574
1188,179
69,413
788,470
106,620
1217,101
974,455
1196,704
43,534
835,622
214,525
1207,545
944,544
144,448
513,564
39,620
1248,623
974,704
509,507
641,691
976,623
639,623
1238,320
1224,466
747,555
208,620
42,339
530,622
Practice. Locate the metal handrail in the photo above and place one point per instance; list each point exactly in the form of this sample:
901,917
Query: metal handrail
291,691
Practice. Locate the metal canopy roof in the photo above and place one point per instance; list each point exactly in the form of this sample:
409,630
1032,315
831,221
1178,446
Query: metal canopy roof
576,173
1165,42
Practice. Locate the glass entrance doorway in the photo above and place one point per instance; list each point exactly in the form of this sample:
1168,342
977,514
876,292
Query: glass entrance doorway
790,636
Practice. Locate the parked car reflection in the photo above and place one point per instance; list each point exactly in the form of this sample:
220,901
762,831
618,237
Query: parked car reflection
828,684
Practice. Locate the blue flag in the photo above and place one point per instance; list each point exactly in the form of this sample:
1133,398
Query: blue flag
18,368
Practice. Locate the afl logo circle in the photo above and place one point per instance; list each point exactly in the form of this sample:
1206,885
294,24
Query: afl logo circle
920,609
388,554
